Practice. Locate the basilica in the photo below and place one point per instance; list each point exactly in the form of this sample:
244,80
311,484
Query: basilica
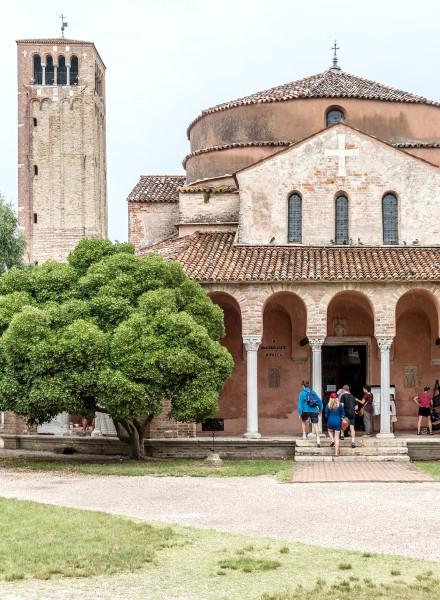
310,214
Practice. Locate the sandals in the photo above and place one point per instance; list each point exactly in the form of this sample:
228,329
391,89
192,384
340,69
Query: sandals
332,444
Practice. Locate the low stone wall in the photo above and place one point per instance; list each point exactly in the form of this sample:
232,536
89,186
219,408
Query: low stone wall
424,449
89,445
227,448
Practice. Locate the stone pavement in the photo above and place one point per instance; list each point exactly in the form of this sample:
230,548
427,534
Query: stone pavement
318,472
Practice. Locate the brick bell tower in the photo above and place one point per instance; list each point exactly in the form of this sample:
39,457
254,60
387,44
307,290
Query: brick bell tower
62,189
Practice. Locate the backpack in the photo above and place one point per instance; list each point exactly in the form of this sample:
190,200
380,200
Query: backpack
312,399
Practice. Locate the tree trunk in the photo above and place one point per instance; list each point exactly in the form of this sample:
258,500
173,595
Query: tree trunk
133,433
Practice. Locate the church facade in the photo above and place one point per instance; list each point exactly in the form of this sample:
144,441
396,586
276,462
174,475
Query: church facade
310,214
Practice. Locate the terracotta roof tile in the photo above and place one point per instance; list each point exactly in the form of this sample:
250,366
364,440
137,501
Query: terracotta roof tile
157,188
329,84
213,256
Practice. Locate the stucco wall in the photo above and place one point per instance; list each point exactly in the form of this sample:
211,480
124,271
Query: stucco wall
294,120
218,208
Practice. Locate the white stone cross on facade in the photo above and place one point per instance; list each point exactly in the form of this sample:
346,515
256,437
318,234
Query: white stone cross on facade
25,53
84,54
342,154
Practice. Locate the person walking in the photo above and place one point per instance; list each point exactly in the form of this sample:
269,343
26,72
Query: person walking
350,407
334,411
367,410
424,400
393,414
309,407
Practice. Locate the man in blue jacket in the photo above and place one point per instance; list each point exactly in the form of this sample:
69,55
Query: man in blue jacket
309,407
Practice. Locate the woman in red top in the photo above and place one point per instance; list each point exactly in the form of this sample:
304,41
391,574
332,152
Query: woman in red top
425,403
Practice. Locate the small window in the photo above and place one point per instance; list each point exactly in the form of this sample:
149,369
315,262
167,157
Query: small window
341,220
62,71
35,218
38,70
389,218
334,116
35,122
50,72
294,217
74,71
35,169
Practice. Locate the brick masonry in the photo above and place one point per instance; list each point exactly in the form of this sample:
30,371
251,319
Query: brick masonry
306,169
62,194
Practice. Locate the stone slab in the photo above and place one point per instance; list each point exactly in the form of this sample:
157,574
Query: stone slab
345,471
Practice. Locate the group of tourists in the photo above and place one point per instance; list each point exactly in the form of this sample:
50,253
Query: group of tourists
342,409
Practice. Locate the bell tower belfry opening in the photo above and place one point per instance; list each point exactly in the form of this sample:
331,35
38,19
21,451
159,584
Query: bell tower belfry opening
62,189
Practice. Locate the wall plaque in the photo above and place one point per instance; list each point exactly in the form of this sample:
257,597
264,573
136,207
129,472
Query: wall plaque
274,377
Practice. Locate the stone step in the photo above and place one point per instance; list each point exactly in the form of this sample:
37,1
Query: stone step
342,458
324,451
360,442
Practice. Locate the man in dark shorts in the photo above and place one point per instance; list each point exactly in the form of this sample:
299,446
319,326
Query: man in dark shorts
306,412
350,406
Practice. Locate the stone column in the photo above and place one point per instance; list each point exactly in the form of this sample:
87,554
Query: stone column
385,346
251,343
316,345
55,75
43,75
68,75
97,429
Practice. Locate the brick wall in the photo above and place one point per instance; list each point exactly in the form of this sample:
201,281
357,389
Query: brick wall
17,425
163,427
150,222
62,151
307,170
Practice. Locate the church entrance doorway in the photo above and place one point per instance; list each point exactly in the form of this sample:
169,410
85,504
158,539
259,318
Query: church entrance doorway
344,365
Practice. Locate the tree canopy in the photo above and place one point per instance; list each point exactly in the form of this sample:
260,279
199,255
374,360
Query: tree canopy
12,244
113,332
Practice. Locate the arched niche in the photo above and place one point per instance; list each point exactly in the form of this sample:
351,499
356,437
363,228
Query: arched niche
283,362
416,360
349,314
232,399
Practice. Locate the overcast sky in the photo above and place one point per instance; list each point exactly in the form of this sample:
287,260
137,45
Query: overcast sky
167,60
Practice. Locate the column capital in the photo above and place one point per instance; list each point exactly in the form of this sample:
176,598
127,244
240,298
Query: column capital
251,342
384,344
316,343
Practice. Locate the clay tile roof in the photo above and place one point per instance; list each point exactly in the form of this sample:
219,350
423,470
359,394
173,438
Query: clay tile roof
157,188
213,256
329,84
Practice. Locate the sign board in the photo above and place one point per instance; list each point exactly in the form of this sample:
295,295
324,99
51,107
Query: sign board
375,390
213,425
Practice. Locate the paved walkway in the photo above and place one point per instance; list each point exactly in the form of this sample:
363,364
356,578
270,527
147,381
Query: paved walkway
345,471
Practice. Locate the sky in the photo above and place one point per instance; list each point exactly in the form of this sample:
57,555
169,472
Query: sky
167,60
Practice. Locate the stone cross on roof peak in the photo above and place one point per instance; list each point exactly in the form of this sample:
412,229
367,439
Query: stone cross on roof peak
335,68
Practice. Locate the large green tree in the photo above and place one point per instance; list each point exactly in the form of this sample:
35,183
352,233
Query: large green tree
12,244
110,332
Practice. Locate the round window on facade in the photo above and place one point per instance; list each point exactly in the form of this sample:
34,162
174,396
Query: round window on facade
334,116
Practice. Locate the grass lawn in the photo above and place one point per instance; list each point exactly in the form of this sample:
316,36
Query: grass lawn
433,468
169,467
85,554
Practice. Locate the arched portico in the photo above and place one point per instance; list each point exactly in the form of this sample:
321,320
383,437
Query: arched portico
283,362
416,357
232,399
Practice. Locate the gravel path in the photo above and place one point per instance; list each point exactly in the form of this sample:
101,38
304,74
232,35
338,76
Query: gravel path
396,518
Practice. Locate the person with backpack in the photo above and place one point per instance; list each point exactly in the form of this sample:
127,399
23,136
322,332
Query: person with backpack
309,407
